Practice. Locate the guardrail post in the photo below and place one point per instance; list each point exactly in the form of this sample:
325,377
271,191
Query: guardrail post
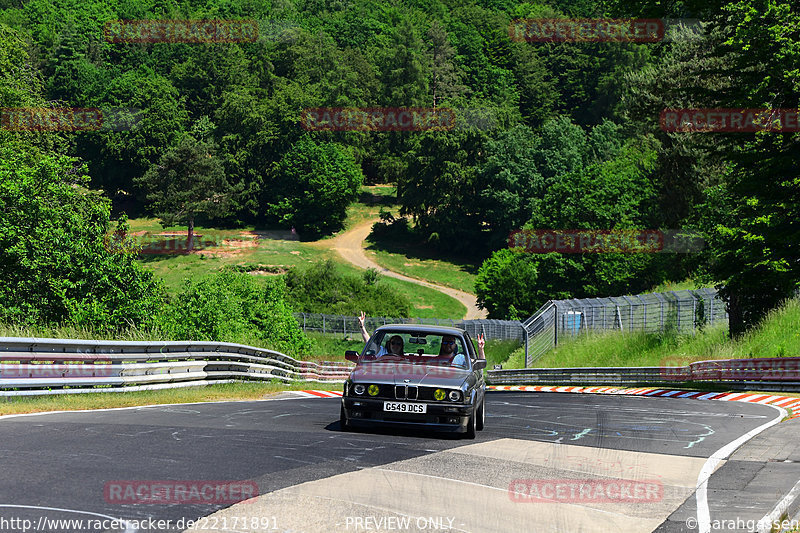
525,342
555,327
644,313
630,316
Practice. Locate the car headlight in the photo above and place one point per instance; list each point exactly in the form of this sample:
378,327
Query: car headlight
454,395
359,389
373,390
439,394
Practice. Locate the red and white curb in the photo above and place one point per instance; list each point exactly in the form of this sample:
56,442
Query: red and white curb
317,393
787,402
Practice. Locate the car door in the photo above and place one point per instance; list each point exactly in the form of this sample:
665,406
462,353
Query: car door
480,383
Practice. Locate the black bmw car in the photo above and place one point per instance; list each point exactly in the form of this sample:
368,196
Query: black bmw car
417,375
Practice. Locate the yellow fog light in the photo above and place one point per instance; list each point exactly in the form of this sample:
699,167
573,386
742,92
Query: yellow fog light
439,394
373,390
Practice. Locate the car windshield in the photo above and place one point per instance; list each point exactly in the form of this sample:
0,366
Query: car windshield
417,348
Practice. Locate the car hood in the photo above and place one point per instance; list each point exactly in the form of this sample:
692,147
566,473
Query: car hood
420,375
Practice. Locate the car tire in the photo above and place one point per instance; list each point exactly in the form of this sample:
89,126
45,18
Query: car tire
481,416
471,426
344,425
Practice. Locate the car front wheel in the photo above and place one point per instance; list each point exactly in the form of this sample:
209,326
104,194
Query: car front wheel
344,425
481,416
472,425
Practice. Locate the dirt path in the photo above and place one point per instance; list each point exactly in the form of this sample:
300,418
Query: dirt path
349,246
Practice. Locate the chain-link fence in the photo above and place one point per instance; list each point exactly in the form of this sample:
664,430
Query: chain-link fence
347,326
681,311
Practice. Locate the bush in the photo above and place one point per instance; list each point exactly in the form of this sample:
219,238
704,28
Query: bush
57,265
321,289
233,307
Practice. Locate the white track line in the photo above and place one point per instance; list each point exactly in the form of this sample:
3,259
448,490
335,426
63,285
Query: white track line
703,513
129,528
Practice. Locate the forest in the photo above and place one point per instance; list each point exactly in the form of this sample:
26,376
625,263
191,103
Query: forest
510,133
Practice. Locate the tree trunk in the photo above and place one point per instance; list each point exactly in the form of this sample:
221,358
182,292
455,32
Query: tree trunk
190,235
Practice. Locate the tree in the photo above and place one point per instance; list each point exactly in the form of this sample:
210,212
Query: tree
439,190
58,265
312,186
404,68
756,248
445,78
504,281
742,189
188,181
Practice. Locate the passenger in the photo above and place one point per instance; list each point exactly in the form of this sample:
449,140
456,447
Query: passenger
481,344
394,346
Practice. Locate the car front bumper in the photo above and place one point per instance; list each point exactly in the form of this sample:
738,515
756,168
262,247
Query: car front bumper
439,416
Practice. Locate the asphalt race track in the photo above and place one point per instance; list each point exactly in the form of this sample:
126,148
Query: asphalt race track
312,477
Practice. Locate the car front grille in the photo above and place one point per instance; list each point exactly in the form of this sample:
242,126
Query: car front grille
405,392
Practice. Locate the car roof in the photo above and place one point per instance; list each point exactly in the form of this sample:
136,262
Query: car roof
427,329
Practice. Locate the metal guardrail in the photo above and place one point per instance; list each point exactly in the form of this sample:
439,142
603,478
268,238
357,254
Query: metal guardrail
776,373
30,366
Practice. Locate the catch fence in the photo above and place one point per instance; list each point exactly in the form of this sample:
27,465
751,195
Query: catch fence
680,311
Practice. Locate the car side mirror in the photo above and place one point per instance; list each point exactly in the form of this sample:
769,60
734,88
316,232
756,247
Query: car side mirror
351,355
479,364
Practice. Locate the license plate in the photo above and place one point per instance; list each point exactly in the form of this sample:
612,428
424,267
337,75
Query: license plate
404,407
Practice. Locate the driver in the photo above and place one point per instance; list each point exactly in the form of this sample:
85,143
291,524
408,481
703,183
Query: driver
448,352
394,345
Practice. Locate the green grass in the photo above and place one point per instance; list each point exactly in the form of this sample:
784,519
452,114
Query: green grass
498,351
173,269
369,203
424,261
778,336
281,254
685,285
209,393
71,332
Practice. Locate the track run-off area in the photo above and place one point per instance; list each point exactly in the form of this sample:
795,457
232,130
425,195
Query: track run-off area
546,462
